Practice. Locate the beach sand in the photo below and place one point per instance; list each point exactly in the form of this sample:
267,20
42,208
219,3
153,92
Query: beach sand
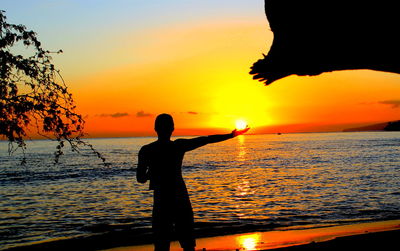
382,235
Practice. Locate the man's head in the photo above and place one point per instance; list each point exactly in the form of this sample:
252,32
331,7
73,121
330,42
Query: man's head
164,125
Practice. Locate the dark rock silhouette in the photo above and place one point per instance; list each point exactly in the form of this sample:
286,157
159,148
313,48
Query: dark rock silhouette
314,36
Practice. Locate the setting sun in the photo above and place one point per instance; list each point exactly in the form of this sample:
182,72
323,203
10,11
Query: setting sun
240,124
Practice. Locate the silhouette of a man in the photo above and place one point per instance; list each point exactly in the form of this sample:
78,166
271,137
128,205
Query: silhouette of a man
161,163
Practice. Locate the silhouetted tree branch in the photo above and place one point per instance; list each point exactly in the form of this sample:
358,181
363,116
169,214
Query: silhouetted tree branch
33,94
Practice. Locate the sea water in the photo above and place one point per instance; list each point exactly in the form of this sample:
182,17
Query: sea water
249,183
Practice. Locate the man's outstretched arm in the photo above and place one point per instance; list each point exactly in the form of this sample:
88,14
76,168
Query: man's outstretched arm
194,143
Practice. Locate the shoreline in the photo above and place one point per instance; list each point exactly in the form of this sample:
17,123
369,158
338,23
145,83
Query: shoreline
349,236
336,237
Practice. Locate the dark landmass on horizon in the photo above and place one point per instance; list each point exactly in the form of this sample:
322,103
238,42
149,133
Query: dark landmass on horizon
320,128
387,126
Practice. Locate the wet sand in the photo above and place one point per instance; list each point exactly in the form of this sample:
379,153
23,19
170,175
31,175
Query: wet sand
372,236
382,235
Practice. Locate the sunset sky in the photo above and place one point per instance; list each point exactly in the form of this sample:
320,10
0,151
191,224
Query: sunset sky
125,61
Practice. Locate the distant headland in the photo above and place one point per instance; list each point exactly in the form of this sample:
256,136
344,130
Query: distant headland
388,126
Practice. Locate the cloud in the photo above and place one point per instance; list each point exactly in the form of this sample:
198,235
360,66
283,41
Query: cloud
367,103
393,103
192,113
141,114
115,115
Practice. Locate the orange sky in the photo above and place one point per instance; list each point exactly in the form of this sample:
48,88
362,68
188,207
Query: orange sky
192,61
199,73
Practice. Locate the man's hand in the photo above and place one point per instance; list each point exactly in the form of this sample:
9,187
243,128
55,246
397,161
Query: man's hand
237,132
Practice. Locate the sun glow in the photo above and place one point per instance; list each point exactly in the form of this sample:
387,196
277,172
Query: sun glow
249,242
240,124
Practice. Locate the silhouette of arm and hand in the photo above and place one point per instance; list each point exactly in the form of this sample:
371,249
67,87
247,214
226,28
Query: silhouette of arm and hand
191,144
185,145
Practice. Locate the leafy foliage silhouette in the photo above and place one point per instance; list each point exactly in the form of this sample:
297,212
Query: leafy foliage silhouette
33,94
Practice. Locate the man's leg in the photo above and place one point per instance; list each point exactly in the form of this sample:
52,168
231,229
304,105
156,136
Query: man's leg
162,224
184,224
161,232
189,249
161,245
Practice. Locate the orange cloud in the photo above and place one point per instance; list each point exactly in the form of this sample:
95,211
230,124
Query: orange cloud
141,114
393,103
115,115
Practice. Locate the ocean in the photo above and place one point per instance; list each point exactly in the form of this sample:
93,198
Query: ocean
249,183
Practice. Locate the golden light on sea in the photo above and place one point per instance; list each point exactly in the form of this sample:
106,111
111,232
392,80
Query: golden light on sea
248,242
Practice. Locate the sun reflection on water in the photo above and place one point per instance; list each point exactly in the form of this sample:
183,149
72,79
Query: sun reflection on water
248,242
242,148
